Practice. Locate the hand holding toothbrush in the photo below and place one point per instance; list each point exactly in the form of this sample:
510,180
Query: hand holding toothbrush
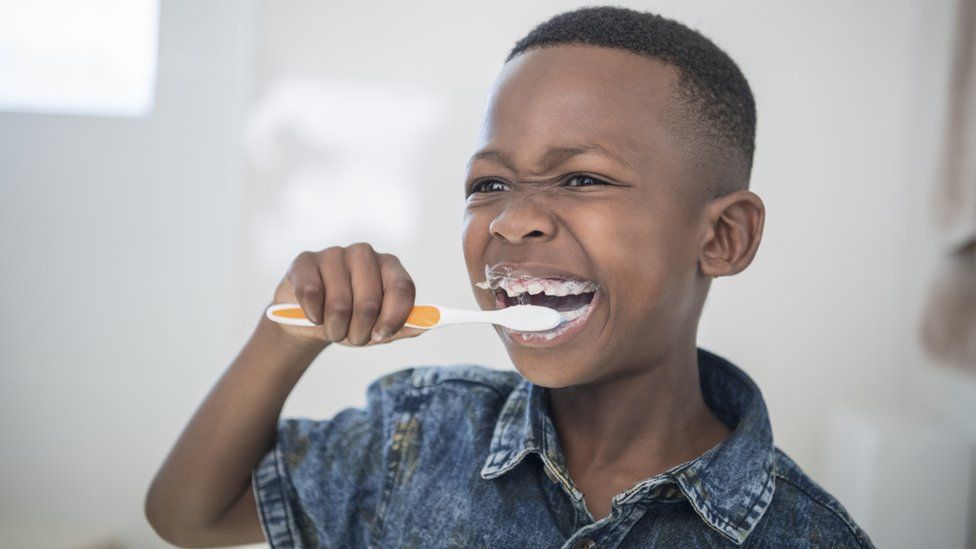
350,295
356,296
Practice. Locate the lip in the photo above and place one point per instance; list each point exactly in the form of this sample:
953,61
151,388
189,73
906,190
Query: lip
557,335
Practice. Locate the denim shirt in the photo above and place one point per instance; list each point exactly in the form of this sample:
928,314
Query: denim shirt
466,456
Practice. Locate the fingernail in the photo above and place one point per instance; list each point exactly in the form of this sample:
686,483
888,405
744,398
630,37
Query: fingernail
379,335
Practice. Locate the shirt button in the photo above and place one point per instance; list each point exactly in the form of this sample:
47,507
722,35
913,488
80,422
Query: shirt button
585,543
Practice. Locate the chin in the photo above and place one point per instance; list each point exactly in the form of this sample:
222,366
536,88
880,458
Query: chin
546,370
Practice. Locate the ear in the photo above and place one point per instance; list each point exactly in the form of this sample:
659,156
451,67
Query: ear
735,225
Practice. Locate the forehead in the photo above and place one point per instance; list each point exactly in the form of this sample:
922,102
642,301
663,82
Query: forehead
572,95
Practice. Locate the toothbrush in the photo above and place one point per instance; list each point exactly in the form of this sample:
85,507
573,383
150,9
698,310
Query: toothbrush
522,318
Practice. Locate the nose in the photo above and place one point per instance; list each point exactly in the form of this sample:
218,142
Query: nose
522,220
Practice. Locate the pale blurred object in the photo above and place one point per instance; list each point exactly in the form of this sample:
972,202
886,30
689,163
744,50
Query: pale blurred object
949,320
949,324
904,480
339,160
86,58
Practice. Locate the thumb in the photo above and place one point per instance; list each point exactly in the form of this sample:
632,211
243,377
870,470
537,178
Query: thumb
404,333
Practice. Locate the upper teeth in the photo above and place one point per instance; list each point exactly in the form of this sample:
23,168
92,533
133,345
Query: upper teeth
518,285
548,286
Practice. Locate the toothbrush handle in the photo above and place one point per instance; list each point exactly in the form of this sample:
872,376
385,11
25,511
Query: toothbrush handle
435,316
426,317
421,316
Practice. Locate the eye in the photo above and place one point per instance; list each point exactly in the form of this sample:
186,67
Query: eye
584,181
488,186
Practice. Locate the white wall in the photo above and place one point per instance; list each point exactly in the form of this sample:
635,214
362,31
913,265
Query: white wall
114,233
160,214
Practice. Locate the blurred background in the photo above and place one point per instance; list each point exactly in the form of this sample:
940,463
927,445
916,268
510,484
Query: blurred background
161,163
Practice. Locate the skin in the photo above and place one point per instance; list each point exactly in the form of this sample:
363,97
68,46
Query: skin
624,392
202,495
629,211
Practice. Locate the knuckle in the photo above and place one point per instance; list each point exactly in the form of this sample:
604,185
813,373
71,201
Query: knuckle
339,308
361,247
331,251
300,261
368,309
390,259
308,290
404,286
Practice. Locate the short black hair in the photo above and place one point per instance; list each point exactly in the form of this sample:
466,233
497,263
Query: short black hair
713,90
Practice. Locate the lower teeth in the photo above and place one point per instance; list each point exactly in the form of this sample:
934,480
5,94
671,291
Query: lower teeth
570,315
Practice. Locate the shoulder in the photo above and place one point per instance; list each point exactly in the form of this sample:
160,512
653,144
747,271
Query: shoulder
430,380
802,511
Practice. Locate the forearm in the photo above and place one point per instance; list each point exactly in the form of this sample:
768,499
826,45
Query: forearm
229,433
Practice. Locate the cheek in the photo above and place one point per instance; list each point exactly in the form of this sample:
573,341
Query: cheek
666,279
474,236
474,239
638,250
623,240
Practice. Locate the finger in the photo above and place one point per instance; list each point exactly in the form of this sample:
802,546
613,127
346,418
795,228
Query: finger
405,333
367,291
398,297
338,293
306,280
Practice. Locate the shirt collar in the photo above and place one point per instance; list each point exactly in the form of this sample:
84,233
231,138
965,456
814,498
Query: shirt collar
730,486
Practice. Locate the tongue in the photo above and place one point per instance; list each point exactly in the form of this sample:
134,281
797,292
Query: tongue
561,303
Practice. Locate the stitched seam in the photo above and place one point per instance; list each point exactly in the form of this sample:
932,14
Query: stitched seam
850,526
752,505
284,471
738,525
721,531
265,520
281,475
388,485
464,380
625,522
395,464
724,522
471,381
545,459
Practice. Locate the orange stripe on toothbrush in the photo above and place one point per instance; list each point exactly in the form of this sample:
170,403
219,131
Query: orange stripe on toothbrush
294,312
424,316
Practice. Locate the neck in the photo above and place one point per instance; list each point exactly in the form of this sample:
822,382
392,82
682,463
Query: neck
640,424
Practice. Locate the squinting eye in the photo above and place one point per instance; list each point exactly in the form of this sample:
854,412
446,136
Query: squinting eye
584,181
488,186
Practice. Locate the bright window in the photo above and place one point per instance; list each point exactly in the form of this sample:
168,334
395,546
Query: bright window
91,57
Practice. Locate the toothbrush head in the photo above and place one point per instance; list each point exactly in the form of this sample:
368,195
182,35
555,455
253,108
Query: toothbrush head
529,318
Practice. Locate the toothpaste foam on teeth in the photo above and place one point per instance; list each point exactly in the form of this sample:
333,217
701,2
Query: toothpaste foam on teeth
571,315
515,287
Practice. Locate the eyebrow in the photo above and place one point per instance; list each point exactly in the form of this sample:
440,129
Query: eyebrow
553,157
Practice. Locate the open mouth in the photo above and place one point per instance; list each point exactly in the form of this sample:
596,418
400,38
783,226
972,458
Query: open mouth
548,293
573,298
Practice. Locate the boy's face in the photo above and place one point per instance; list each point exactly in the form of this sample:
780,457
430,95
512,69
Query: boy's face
579,176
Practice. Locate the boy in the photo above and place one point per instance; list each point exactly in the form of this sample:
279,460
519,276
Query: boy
611,183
